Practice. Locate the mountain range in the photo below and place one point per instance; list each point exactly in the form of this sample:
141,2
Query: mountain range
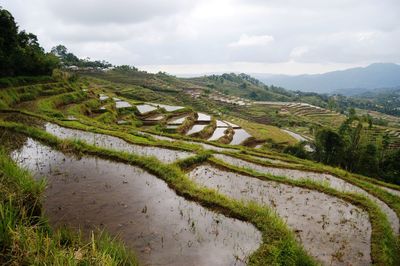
350,81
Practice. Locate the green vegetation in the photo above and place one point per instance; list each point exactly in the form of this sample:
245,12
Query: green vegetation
69,59
352,149
20,52
27,239
243,85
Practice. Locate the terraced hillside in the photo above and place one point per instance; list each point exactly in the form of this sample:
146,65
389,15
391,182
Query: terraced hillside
178,183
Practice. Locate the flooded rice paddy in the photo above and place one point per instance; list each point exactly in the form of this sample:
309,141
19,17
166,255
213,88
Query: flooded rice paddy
145,108
103,97
390,190
154,118
332,230
122,104
298,137
203,117
269,160
232,124
177,121
239,136
169,108
110,142
195,129
330,180
163,228
221,124
219,132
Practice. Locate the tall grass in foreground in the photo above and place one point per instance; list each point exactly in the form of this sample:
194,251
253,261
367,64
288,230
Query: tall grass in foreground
27,239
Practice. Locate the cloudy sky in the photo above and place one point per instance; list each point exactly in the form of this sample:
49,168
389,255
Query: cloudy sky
193,37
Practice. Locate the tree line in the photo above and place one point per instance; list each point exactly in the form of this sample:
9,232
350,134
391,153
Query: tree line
20,52
352,148
22,55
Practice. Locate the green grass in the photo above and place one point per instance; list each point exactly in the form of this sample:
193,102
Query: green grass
27,239
50,106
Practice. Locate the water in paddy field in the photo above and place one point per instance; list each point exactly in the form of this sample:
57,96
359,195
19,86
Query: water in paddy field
122,104
218,133
177,121
145,108
239,136
325,225
169,108
203,117
221,124
161,227
114,143
195,129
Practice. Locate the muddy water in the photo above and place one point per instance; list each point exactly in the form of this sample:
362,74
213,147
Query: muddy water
169,108
203,117
162,228
239,136
218,133
204,145
392,191
331,180
221,124
145,108
122,104
295,135
269,160
156,136
332,230
177,121
110,142
195,129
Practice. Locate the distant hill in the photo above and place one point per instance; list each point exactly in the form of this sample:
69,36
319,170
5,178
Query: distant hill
378,75
246,86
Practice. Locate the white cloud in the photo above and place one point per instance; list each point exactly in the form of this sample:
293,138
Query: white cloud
282,34
254,40
299,51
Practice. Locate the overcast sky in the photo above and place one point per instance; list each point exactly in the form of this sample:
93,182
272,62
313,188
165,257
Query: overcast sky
192,37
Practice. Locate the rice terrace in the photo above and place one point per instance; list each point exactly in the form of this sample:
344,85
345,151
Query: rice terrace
104,164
